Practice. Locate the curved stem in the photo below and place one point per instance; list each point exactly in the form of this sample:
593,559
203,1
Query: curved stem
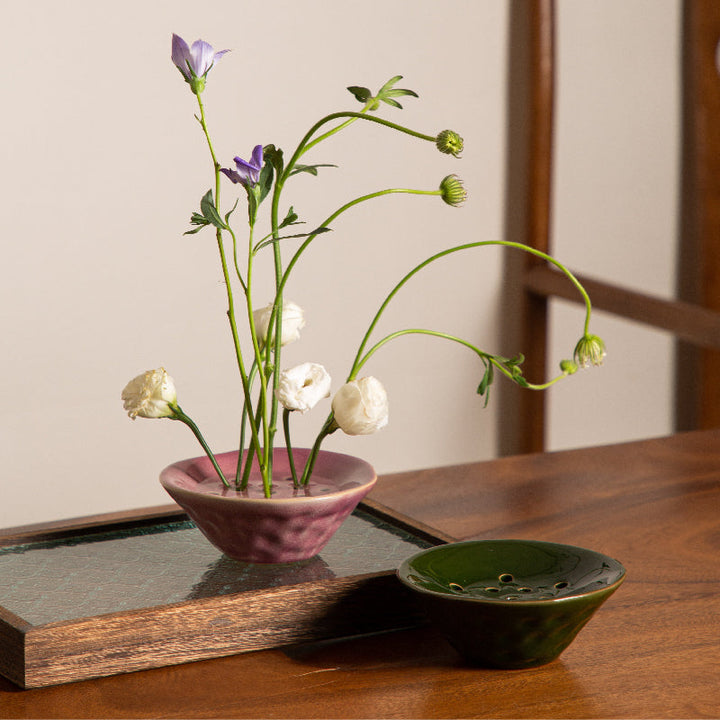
457,248
328,428
303,146
494,359
182,417
340,211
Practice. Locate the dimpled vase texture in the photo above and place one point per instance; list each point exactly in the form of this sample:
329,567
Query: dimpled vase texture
510,603
290,526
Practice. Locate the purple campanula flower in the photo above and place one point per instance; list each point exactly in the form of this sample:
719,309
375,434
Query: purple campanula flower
194,62
247,173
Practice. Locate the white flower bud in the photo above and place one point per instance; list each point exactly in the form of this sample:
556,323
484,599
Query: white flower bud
302,387
293,321
361,406
150,395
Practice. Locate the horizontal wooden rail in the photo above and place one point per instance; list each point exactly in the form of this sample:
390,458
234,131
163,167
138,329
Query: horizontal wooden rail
689,322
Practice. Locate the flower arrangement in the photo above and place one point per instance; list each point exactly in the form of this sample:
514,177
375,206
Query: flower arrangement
360,405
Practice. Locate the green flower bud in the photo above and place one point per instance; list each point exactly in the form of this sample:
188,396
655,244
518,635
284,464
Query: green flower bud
569,367
590,350
452,190
197,84
449,142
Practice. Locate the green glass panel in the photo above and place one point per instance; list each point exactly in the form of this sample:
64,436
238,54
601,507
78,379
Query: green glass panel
136,568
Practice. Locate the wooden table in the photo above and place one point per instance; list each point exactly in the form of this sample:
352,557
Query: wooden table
652,651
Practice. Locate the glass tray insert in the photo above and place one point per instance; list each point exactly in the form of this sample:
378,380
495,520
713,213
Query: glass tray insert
170,562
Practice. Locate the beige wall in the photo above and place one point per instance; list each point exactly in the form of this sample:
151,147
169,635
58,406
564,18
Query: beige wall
102,163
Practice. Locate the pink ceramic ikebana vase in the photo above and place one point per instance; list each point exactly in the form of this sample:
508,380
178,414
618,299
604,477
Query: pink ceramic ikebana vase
292,525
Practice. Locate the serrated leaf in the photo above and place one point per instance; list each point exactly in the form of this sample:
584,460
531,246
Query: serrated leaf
362,94
387,92
209,211
290,218
198,219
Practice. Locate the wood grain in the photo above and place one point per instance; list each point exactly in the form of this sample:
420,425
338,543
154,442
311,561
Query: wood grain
200,628
650,652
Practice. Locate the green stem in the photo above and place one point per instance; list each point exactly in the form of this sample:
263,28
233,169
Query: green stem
494,359
226,279
328,428
267,485
288,446
262,402
281,278
243,426
305,145
457,248
340,211
182,417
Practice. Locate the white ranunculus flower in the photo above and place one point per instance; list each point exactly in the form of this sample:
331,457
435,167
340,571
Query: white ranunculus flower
293,321
361,406
302,387
150,395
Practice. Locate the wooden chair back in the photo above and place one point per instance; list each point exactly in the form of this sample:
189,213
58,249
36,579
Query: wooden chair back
693,318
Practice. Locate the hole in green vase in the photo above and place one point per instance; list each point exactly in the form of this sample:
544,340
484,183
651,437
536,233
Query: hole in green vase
506,578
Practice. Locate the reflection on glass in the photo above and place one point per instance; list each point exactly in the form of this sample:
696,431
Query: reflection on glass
172,562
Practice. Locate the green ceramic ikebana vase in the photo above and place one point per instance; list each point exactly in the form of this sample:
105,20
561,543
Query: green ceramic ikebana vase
510,603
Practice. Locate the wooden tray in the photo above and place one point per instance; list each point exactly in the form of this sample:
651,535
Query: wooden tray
105,596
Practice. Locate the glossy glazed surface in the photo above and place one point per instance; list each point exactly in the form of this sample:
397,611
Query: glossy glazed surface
291,525
511,603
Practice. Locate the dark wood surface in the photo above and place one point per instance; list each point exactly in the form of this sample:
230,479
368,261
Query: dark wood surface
650,652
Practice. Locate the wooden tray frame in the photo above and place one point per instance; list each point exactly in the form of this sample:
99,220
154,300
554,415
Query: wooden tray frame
66,651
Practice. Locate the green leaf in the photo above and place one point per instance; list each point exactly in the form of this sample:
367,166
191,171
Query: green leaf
266,181
486,382
199,220
362,94
312,169
195,230
210,213
275,157
388,85
265,243
290,218
252,207
387,92
230,212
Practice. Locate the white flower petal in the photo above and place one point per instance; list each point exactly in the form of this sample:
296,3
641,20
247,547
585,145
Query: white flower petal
303,386
150,395
361,406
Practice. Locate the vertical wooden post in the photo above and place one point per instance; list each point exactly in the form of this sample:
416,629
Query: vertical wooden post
698,369
531,80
